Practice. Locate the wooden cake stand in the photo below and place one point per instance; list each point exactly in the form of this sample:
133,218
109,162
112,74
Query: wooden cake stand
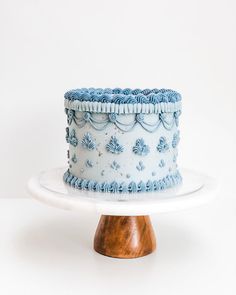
124,229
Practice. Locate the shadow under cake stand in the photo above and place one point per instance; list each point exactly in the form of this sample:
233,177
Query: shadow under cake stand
124,229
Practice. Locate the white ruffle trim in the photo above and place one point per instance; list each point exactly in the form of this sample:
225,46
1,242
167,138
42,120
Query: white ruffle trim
106,107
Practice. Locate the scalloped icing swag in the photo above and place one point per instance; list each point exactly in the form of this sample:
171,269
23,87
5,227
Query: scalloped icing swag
167,121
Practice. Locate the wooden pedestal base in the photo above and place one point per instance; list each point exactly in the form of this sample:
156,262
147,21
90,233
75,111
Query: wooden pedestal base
124,236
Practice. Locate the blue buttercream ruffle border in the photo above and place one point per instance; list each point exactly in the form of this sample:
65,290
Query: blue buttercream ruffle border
115,187
123,96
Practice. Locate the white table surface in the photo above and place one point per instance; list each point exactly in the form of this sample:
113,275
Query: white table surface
44,250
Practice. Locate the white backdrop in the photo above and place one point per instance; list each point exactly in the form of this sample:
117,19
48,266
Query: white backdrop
48,47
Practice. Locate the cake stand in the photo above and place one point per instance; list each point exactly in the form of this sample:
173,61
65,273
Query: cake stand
124,229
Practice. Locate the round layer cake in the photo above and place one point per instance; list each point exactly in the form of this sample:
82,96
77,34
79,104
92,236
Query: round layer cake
122,140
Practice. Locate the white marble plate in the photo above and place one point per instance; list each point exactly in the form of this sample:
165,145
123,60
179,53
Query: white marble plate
195,190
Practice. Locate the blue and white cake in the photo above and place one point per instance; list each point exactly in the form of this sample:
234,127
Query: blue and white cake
122,140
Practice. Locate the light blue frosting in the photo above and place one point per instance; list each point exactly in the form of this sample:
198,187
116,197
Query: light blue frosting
114,187
123,96
167,115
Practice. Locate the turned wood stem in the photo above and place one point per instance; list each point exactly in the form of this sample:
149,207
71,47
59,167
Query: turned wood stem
124,236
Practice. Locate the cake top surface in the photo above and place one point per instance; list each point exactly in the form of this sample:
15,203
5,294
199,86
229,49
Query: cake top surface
123,96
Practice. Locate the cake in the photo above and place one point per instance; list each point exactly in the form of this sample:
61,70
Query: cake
122,140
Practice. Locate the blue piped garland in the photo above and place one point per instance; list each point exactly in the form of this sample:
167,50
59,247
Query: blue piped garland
123,96
167,121
115,187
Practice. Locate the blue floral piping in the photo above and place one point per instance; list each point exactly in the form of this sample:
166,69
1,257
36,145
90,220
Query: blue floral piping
140,147
71,137
88,142
162,146
123,96
176,139
114,146
140,167
114,165
115,187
